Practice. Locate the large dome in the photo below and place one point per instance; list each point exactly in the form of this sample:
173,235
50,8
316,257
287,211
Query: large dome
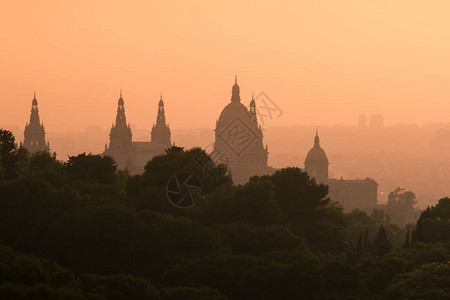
233,110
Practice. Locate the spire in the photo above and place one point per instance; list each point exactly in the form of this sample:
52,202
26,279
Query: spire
34,117
120,117
120,135
316,138
253,109
161,132
34,134
235,79
34,102
120,102
161,104
161,117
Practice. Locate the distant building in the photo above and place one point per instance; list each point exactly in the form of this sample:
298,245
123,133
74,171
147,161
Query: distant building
239,140
316,162
376,121
132,155
351,194
34,134
362,121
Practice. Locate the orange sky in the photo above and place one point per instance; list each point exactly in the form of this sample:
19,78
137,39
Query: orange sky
322,63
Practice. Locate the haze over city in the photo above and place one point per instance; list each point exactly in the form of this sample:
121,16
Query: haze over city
226,150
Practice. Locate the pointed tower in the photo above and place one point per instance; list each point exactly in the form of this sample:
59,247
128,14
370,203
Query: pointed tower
34,134
253,109
161,131
316,162
120,135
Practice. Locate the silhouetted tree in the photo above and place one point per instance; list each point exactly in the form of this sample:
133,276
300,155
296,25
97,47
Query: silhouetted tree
8,154
91,168
401,207
407,240
382,245
308,209
430,281
175,149
434,223
359,246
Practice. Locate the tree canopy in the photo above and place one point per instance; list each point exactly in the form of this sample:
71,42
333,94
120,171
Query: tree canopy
83,229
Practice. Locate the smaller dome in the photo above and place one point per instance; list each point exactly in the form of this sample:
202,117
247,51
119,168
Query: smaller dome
121,101
316,153
161,102
34,102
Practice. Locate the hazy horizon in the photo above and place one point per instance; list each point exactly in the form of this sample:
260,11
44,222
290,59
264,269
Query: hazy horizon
322,63
390,154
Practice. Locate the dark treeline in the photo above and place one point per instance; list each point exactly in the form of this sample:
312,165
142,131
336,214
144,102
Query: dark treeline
84,230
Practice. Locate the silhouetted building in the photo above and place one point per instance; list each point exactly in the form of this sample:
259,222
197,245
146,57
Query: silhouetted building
34,134
316,162
161,130
376,121
131,155
239,140
362,120
350,194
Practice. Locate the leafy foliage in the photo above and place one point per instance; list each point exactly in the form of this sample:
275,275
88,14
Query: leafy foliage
434,223
275,237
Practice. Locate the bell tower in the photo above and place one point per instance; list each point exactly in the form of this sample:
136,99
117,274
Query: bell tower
34,134
120,135
161,131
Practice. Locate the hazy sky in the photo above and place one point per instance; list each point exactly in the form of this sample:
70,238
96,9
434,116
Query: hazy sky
322,62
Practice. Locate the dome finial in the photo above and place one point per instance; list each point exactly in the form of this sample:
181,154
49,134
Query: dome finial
120,102
161,102
34,102
316,138
235,91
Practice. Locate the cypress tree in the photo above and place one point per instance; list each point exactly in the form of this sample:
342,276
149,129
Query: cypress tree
382,244
406,244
